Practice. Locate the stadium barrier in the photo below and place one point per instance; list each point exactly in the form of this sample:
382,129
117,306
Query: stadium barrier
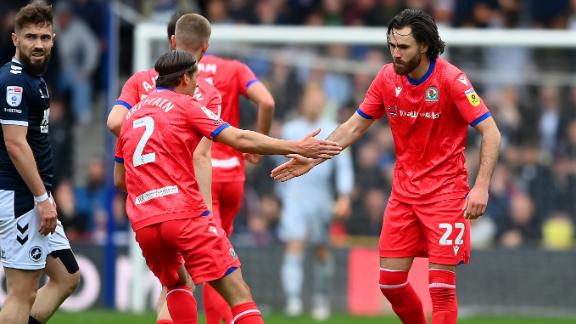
526,281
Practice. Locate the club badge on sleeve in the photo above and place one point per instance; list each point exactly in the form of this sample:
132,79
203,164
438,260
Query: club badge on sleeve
14,95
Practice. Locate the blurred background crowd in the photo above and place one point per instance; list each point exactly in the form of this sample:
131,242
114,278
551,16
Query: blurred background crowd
531,93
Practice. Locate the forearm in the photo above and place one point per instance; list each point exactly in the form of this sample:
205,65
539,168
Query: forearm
25,163
349,132
488,158
265,116
203,172
253,142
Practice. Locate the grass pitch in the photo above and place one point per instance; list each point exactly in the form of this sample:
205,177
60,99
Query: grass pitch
111,317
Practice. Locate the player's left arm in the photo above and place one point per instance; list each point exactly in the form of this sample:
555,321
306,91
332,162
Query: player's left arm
478,196
263,99
475,112
119,171
119,176
202,161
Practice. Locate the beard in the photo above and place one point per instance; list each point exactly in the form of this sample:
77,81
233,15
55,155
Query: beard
407,67
37,67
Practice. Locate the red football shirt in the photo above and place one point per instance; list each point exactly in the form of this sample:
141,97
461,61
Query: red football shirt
429,119
156,143
232,79
140,84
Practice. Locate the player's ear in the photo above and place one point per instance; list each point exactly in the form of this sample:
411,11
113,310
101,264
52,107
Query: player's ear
14,39
205,47
173,42
424,48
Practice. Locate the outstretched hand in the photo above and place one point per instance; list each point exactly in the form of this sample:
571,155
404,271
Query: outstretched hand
312,147
295,167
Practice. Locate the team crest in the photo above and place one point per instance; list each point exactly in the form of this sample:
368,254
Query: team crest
472,97
14,95
432,94
36,254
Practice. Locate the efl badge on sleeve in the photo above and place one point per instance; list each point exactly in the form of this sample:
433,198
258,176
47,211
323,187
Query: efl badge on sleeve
14,95
472,97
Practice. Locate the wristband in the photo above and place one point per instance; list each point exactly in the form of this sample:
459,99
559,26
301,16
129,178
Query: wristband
43,197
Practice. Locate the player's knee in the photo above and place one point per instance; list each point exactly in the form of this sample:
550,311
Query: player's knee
392,279
442,288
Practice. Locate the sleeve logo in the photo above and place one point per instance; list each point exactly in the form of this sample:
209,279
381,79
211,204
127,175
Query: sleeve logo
14,95
209,113
472,97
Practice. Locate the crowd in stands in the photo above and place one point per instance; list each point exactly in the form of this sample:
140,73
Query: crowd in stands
532,196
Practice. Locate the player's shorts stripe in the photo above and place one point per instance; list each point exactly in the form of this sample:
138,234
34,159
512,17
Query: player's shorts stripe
219,129
229,271
441,285
205,213
363,114
251,82
13,122
123,103
244,313
481,118
118,159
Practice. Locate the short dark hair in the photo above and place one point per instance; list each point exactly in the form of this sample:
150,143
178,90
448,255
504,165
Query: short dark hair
171,28
192,30
423,27
171,67
36,13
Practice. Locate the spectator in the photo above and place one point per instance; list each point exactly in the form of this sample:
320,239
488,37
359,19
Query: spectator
79,52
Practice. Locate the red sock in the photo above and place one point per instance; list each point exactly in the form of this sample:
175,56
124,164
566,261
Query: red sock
182,305
247,313
405,302
164,322
216,308
443,293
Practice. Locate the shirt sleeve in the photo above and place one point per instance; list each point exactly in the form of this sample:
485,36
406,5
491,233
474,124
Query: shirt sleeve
118,156
214,103
470,106
373,105
129,95
13,104
203,120
245,77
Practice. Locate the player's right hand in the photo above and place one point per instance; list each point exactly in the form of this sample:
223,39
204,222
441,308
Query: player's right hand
295,167
48,216
312,147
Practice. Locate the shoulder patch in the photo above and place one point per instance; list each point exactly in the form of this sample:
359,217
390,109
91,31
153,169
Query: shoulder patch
209,113
472,97
14,95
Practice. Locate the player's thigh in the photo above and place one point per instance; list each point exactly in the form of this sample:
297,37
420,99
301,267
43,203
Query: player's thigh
207,252
22,283
230,204
446,230
401,235
293,221
23,247
162,259
233,288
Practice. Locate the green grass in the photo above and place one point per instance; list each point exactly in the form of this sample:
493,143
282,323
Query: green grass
109,317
